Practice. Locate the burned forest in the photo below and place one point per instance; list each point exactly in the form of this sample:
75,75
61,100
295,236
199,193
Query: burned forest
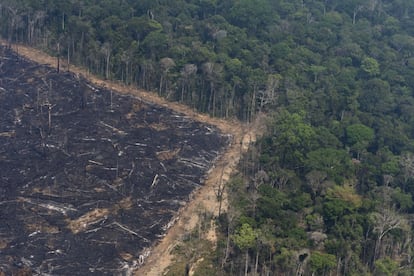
89,179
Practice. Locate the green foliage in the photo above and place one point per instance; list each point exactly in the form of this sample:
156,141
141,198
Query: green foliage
386,266
335,77
336,163
155,42
376,97
316,70
340,201
359,136
292,138
285,259
370,66
245,237
403,201
321,262
300,201
272,202
251,14
391,167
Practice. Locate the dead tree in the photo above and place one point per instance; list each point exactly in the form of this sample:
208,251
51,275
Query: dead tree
187,77
33,21
106,51
384,221
49,115
58,56
13,23
165,64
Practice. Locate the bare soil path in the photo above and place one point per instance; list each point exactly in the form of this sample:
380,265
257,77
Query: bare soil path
205,198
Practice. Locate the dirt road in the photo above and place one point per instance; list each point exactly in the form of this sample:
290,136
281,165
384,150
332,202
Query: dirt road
205,198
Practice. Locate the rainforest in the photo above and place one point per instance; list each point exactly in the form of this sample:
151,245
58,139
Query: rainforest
327,188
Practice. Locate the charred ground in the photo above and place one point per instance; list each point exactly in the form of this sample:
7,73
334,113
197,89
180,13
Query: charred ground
89,179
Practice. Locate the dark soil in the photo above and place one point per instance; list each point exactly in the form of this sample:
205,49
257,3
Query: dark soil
89,179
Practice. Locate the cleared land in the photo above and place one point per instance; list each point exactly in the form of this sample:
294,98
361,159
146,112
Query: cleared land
90,178
160,255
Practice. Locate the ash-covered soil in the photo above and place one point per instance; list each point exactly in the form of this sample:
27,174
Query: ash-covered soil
89,179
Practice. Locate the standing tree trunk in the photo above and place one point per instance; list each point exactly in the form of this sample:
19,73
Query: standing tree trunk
106,50
246,266
68,56
355,13
227,251
58,57
384,221
166,64
256,265
12,26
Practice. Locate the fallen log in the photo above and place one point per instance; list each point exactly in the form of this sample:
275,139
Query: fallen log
95,162
8,134
129,231
50,205
120,132
167,154
154,181
90,218
193,163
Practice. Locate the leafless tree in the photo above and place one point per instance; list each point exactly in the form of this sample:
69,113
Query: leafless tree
315,180
14,18
187,72
385,220
357,9
407,164
34,20
166,64
269,95
212,74
106,51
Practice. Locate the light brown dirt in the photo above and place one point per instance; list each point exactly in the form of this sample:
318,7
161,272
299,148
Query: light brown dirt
205,198
82,223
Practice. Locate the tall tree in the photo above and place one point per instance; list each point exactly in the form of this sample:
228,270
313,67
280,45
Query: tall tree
245,239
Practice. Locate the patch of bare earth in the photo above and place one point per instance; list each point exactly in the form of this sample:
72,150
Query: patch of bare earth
205,198
162,255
